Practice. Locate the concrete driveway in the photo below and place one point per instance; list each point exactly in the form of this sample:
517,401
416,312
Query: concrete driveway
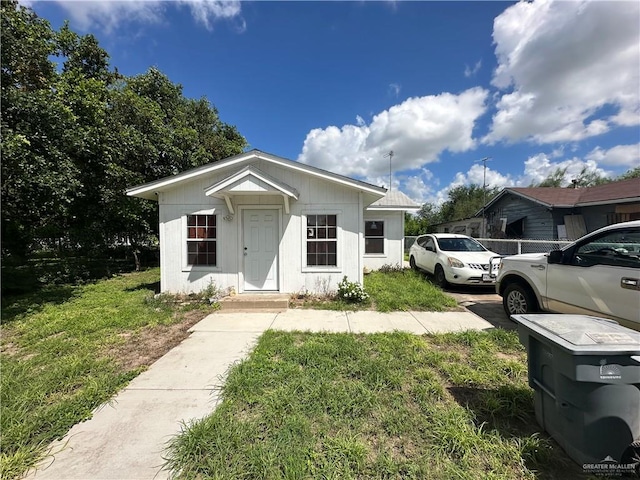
484,302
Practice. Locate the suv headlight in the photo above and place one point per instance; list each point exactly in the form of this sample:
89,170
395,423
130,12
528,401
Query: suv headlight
454,262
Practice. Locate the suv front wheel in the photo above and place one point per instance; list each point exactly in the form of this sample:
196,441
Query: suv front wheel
518,299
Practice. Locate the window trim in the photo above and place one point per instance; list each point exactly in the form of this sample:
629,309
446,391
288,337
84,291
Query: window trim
383,237
339,243
184,240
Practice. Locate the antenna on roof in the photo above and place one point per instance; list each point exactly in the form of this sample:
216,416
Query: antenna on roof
390,155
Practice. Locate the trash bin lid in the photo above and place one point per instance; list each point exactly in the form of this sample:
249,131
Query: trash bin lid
583,334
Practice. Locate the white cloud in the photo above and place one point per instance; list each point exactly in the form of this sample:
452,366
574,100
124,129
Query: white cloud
469,72
619,156
568,70
394,89
539,167
110,15
417,130
421,188
360,121
208,11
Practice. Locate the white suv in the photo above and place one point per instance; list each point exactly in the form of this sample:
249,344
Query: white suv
599,274
453,258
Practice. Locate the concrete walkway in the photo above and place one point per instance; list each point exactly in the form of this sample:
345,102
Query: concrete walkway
125,439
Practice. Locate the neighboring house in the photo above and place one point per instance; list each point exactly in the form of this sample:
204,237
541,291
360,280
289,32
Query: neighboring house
471,227
561,213
257,222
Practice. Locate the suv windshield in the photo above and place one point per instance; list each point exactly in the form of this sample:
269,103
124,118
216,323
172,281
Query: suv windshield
460,245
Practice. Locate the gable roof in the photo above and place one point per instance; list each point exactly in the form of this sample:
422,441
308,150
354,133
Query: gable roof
557,197
149,190
394,200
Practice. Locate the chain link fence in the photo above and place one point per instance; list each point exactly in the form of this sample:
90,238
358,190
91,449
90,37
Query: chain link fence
505,246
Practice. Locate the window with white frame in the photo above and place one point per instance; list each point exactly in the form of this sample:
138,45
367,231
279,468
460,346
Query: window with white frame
373,237
322,240
201,240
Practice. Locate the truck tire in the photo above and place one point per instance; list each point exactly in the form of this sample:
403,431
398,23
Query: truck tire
518,299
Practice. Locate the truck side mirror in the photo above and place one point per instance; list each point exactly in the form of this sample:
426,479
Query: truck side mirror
555,256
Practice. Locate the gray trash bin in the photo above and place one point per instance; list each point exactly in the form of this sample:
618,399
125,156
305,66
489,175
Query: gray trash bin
585,372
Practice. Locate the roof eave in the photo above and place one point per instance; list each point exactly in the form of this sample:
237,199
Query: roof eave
608,202
155,186
394,208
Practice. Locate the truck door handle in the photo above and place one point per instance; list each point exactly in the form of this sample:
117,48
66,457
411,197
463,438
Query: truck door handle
630,283
538,267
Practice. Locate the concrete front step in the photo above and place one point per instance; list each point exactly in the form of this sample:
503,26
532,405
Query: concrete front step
255,301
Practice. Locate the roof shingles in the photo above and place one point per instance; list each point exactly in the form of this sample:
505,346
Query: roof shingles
570,197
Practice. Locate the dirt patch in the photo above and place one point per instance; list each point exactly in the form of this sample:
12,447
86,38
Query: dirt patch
144,347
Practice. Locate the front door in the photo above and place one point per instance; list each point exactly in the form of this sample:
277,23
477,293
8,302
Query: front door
261,239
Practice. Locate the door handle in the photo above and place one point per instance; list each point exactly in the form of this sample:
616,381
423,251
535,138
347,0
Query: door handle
630,283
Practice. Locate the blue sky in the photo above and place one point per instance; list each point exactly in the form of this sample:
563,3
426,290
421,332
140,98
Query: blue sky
535,86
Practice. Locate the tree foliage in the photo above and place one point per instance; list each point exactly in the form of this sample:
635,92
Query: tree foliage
76,135
464,201
586,178
629,174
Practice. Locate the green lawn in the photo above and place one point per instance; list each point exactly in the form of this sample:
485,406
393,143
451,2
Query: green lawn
302,406
395,290
406,290
62,357
341,406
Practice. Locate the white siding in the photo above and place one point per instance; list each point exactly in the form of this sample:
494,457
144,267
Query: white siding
393,243
317,196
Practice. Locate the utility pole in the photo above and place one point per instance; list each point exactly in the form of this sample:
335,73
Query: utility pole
390,155
484,195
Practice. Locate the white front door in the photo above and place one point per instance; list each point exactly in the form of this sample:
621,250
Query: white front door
260,249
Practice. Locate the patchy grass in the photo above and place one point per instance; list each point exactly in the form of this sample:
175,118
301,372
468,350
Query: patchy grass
378,406
67,349
393,290
405,290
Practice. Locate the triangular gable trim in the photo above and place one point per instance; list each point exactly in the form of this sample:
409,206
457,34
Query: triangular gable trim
251,172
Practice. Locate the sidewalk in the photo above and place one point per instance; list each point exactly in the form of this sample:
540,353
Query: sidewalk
125,440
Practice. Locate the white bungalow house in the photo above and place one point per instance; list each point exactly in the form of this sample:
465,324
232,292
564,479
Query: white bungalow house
256,222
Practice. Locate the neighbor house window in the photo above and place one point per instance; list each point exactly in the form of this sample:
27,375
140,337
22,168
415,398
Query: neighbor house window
374,236
201,240
322,240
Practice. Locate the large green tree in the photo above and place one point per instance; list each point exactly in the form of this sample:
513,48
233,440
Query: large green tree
38,175
74,137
